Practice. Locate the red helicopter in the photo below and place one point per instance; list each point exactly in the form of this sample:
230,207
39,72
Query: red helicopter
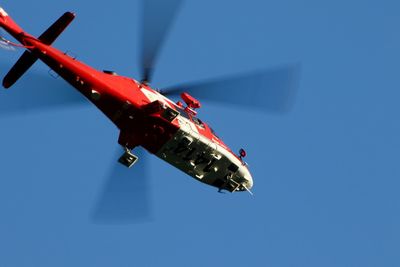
144,115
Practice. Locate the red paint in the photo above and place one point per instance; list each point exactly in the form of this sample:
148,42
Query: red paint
120,98
242,153
192,102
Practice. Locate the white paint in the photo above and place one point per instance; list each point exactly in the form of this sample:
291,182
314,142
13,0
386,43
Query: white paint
3,13
188,126
202,144
153,96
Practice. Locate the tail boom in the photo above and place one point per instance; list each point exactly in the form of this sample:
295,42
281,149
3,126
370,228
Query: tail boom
7,23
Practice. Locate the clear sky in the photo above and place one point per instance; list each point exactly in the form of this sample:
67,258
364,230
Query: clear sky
326,174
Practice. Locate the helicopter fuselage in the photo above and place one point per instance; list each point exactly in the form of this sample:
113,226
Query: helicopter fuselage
145,117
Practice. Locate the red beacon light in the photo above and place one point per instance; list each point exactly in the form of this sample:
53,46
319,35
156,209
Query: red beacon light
191,102
242,153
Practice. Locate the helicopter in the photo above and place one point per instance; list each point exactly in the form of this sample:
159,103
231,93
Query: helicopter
144,115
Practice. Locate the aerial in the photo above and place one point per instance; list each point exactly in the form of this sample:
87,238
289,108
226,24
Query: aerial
324,163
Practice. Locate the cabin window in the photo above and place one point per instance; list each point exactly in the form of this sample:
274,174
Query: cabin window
182,112
198,122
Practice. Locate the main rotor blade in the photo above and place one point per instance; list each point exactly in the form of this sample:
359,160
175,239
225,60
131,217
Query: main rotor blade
125,196
271,90
37,92
157,18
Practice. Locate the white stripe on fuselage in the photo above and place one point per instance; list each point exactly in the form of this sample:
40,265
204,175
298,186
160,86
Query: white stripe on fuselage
154,96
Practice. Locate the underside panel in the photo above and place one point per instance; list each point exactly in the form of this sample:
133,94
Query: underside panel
199,157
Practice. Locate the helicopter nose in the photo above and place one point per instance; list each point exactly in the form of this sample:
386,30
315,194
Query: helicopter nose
247,179
249,182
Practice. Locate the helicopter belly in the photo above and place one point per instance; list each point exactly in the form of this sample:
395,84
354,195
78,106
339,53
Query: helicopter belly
202,158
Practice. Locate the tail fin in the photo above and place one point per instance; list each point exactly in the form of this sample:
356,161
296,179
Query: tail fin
28,59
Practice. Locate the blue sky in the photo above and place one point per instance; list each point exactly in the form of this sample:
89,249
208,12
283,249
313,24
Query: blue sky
326,174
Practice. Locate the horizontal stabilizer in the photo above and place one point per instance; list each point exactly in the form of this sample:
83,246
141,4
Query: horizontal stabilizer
23,64
28,59
52,33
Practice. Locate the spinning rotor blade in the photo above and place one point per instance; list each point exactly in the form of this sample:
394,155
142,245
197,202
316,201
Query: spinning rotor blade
158,16
37,92
125,196
271,90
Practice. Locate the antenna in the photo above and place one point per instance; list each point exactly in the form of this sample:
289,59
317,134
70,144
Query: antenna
4,43
248,190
